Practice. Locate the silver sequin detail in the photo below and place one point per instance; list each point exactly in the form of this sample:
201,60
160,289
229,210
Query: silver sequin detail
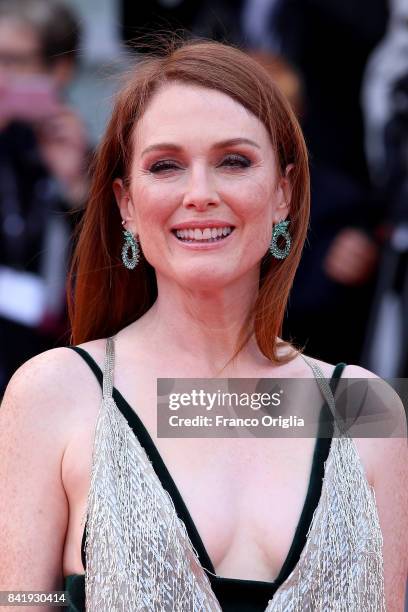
139,556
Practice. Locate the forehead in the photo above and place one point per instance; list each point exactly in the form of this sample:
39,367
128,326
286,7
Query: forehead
190,114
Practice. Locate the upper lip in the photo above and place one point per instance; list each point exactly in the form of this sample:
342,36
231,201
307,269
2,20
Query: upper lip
201,224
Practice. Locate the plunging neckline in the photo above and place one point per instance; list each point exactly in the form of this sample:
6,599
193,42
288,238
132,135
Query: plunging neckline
322,448
167,481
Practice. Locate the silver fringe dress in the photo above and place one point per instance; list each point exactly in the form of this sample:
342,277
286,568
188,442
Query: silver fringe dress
139,556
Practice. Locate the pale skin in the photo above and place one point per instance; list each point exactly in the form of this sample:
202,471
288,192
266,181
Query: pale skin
245,496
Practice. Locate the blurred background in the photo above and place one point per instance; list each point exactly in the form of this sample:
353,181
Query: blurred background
344,67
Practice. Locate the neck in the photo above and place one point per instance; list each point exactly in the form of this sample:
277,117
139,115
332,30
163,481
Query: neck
201,325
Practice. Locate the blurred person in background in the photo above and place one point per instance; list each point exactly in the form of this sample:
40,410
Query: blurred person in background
285,76
385,105
43,155
329,43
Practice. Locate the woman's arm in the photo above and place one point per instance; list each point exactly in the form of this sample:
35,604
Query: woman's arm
391,491
386,462
33,503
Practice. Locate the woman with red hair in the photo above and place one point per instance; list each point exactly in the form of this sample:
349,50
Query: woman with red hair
193,231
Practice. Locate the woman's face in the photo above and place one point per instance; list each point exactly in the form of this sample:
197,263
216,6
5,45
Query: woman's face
20,49
204,187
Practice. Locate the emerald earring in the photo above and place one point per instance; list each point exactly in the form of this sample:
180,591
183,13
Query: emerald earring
280,229
130,243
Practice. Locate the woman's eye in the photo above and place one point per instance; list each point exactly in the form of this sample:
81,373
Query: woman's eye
236,161
231,161
162,165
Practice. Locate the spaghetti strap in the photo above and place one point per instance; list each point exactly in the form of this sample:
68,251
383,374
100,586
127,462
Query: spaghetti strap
328,388
110,359
338,370
105,377
108,368
90,361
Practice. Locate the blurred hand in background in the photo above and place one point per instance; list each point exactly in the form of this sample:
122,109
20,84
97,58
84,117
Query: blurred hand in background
32,85
352,258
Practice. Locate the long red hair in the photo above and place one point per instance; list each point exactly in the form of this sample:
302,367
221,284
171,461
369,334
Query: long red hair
103,296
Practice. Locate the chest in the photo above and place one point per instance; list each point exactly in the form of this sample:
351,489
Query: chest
244,495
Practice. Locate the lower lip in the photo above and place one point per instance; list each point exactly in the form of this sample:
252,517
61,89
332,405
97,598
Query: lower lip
205,246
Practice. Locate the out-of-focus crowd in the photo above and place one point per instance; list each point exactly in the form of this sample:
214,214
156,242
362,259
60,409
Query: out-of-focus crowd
344,67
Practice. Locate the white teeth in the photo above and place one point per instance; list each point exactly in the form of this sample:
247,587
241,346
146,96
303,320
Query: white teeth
204,234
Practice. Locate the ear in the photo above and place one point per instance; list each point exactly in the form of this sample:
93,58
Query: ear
284,192
124,202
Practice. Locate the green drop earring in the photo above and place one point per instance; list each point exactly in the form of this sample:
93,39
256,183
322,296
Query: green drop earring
280,229
130,243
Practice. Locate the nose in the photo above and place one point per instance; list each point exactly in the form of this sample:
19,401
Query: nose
200,192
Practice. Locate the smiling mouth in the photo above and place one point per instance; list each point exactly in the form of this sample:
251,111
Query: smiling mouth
208,234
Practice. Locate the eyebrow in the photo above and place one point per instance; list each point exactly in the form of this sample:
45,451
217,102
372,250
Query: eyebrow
218,145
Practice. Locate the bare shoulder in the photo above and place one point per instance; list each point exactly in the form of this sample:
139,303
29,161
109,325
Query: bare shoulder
304,361
44,411
349,371
373,450
96,349
47,423
50,384
55,389
380,450
385,462
356,371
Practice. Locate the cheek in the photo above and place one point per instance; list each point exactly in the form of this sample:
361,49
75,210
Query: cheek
153,206
256,205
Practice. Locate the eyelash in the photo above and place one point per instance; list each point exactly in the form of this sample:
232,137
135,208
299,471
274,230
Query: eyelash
159,166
